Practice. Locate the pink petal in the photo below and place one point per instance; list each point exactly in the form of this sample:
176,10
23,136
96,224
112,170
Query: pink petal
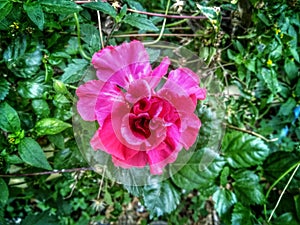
138,160
159,72
109,95
87,94
137,90
190,125
122,64
188,81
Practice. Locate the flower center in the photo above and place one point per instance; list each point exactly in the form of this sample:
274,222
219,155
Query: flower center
145,110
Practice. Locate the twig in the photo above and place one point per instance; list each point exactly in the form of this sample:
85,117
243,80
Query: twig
100,28
252,133
47,172
279,199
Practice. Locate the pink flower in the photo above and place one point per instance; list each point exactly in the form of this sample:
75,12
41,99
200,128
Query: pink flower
140,122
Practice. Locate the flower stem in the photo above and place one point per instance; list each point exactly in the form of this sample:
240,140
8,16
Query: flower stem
296,167
82,53
162,28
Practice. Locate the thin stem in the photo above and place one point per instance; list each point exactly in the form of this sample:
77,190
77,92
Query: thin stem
251,132
162,28
82,53
101,184
47,172
277,181
100,28
154,35
181,21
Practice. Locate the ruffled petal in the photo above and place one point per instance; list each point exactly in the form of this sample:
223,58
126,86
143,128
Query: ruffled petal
159,72
137,90
188,81
87,94
122,64
138,160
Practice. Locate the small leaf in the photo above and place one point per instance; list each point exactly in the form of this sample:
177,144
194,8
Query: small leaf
287,107
161,198
50,126
241,215
5,8
4,88
9,119
40,107
74,71
224,200
104,7
201,171
140,22
60,6
31,89
32,154
35,13
291,69
243,150
3,193
247,188
269,77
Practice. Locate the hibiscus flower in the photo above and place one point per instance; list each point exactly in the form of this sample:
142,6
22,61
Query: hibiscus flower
145,116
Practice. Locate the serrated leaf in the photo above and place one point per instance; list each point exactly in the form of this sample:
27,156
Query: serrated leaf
9,119
247,188
224,199
3,193
241,215
74,71
201,171
50,126
243,150
60,6
32,153
104,7
140,22
161,198
35,13
5,8
4,88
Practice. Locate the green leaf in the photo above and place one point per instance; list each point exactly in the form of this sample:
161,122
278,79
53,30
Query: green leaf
161,198
140,22
50,126
297,204
201,171
58,140
279,162
40,107
287,107
5,8
241,215
291,68
32,154
9,119
286,218
22,62
35,13
3,193
269,77
224,200
104,7
74,71
32,89
60,6
4,88
247,188
243,150
42,218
